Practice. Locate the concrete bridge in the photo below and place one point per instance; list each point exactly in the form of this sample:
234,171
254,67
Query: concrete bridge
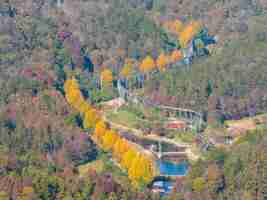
161,154
193,118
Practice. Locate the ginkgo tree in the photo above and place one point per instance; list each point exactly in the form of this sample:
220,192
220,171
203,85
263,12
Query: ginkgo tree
126,70
176,56
162,62
106,77
90,118
100,128
189,32
141,173
140,168
147,65
121,146
128,157
109,139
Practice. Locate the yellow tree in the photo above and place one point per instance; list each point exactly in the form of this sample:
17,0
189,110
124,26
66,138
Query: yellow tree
109,139
128,157
71,83
147,65
84,107
79,100
162,62
73,96
176,56
135,171
90,118
120,147
100,128
176,26
149,170
106,77
189,32
126,70
73,93
142,170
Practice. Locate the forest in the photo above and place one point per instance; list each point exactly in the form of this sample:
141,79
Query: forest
97,97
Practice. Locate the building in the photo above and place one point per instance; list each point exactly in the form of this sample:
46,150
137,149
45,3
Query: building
177,125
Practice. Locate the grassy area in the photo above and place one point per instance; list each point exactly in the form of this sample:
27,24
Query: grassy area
130,117
186,137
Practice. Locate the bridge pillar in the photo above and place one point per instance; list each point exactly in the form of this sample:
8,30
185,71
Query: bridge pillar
160,150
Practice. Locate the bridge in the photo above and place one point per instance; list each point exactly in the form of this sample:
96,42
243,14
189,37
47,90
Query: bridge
193,118
160,154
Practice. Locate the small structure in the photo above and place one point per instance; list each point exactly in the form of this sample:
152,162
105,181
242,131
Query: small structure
162,187
114,104
177,125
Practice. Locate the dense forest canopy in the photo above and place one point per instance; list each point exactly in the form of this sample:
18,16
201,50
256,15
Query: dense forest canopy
60,61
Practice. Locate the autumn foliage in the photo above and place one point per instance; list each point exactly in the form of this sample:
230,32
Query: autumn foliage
77,101
126,70
176,56
189,32
140,167
162,62
106,77
147,65
174,27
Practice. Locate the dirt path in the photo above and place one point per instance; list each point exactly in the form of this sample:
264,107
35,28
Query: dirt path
138,133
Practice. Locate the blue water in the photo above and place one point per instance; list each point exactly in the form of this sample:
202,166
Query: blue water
168,168
172,169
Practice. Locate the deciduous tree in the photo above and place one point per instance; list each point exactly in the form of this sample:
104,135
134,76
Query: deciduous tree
189,32
106,77
162,62
90,118
147,65
176,56
109,139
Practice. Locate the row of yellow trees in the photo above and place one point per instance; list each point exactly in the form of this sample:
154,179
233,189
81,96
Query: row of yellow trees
147,65
139,166
184,33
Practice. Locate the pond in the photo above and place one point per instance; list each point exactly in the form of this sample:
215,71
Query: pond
164,185
168,168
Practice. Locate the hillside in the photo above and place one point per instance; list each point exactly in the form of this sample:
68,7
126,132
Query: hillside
99,97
